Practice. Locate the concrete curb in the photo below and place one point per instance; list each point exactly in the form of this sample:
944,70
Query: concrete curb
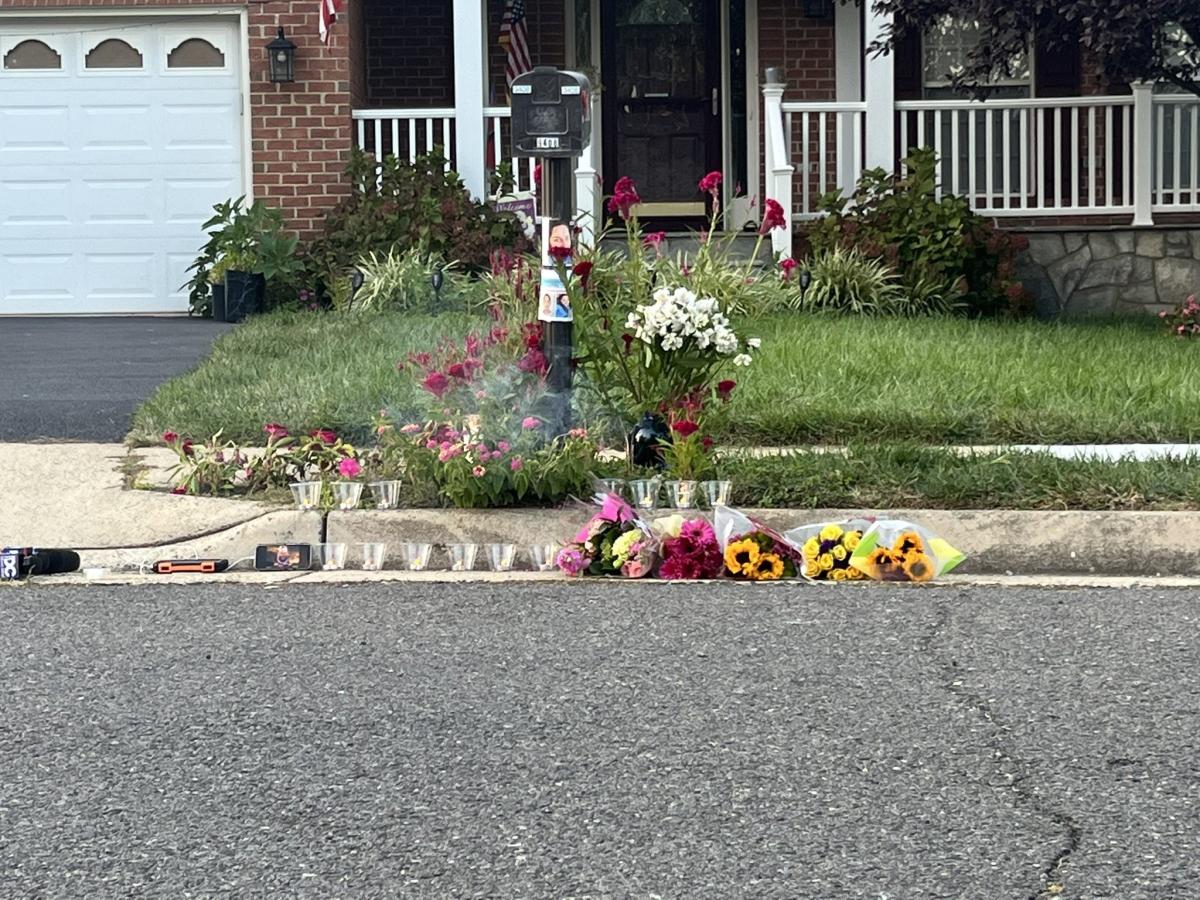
995,541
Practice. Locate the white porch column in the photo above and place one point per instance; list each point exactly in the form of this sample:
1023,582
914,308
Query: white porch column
470,85
1143,152
880,94
585,192
779,167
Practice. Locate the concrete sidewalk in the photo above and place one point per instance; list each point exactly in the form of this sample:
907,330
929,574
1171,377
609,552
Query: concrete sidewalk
73,495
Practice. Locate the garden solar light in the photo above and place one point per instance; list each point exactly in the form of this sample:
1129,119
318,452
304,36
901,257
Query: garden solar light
356,281
805,280
437,278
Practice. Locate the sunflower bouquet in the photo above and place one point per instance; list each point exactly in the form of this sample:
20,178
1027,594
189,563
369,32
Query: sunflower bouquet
613,542
753,552
828,547
895,550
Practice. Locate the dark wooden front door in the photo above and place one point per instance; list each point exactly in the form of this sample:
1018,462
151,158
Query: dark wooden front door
661,100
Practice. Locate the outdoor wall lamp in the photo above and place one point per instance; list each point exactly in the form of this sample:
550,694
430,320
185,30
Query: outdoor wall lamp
818,9
282,55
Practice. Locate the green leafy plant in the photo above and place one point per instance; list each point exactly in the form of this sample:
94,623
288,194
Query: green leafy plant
845,281
924,239
402,280
421,205
1184,320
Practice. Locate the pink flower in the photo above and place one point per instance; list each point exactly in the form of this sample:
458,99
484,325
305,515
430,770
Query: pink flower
503,446
685,428
275,431
324,435
479,471
517,464
349,467
772,217
496,454
449,453
786,265
170,437
711,183
431,445
531,422
436,383
571,561
580,433
654,241
625,198
410,428
458,370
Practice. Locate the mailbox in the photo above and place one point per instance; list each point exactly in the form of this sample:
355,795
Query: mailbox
551,113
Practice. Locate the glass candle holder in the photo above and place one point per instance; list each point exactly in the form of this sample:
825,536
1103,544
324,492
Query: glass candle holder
347,494
501,557
644,493
543,556
333,556
612,486
462,557
307,494
716,493
681,494
386,494
373,556
416,556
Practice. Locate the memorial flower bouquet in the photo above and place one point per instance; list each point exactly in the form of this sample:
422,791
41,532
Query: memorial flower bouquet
689,549
753,552
827,548
896,550
613,542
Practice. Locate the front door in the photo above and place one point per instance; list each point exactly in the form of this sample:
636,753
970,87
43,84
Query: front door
662,103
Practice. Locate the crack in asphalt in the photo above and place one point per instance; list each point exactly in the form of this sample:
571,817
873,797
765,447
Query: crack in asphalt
1009,765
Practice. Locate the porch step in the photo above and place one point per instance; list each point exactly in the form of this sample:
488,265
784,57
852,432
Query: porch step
687,243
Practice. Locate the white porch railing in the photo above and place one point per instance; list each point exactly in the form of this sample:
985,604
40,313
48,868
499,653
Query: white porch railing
1134,155
408,133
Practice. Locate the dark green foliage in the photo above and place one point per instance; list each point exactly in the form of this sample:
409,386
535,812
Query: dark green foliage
405,206
936,246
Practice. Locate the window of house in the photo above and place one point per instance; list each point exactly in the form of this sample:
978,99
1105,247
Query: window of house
946,48
113,54
32,55
195,53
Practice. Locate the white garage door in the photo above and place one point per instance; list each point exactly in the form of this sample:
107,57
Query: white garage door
116,138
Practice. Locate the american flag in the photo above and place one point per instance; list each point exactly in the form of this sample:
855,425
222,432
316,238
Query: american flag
514,40
329,14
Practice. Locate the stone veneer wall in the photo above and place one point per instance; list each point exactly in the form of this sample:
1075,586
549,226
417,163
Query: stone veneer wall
1080,273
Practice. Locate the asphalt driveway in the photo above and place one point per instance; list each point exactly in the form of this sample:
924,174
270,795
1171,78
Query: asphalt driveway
80,379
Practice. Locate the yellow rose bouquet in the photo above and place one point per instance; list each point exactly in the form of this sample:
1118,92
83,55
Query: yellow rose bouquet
827,548
895,550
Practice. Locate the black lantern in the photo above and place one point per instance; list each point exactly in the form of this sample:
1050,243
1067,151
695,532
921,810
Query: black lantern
818,9
282,55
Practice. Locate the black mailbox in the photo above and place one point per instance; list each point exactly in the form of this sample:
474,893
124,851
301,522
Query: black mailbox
551,113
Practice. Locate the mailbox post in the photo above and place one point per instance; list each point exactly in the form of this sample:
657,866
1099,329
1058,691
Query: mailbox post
551,121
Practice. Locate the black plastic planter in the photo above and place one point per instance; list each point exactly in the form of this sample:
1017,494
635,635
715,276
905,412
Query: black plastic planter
244,293
218,302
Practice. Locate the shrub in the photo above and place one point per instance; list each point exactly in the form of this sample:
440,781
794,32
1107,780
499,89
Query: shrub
846,281
938,245
403,281
418,205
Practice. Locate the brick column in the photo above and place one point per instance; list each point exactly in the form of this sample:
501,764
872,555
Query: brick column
301,132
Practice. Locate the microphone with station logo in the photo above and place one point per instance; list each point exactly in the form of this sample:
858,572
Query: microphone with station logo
17,563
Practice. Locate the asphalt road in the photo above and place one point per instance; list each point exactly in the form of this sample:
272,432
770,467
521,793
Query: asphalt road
80,379
593,740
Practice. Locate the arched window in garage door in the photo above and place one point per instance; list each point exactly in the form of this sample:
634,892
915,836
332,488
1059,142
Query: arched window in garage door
32,54
195,53
113,54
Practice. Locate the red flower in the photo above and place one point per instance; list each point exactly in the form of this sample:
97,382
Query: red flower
531,335
324,435
625,197
169,437
711,183
725,388
458,370
179,490
534,362
786,265
275,431
583,271
537,175
772,217
628,339
685,428
706,443
560,254
186,447
654,240
436,383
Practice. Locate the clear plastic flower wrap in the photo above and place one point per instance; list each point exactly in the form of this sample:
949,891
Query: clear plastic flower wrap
897,550
828,547
751,550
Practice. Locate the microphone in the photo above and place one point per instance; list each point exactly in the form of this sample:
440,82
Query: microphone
21,562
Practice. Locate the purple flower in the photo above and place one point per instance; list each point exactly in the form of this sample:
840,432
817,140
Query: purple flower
571,561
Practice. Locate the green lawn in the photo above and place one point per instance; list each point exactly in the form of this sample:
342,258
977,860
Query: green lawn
816,380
